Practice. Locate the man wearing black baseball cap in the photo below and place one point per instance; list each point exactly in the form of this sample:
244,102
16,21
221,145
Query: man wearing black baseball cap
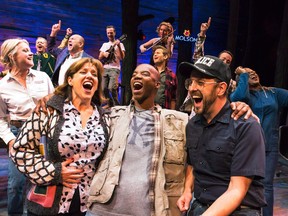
209,66
226,157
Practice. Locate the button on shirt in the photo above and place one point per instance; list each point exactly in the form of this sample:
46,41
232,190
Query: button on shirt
18,102
222,149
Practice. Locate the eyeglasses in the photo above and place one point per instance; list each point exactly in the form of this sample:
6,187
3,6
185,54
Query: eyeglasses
199,83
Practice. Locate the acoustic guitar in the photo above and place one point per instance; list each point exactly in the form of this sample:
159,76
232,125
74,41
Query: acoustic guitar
111,57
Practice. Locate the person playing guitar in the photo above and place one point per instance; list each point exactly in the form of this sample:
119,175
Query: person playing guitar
111,53
111,57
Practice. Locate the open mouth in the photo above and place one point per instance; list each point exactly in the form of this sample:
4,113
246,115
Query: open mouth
197,99
87,85
137,85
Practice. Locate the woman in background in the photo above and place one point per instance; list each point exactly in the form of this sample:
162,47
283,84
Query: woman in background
265,102
165,38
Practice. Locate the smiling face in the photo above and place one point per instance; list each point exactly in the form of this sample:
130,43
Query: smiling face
111,34
84,82
41,45
204,94
144,84
226,58
254,79
159,56
163,31
23,57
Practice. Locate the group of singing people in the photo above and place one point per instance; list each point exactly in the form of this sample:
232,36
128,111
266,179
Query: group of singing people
71,156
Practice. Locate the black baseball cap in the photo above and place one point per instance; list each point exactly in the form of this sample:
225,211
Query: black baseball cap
210,66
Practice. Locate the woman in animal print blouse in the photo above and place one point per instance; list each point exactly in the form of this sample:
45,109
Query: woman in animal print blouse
76,137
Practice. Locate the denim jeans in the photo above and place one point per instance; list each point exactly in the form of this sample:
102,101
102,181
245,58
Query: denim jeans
16,185
110,84
197,208
271,164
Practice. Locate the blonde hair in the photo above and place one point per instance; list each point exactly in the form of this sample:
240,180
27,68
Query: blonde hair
167,24
8,50
170,29
41,38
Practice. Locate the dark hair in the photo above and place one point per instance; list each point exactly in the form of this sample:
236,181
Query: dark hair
226,51
66,90
111,26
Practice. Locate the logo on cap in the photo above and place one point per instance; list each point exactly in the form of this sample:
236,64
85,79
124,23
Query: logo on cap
205,61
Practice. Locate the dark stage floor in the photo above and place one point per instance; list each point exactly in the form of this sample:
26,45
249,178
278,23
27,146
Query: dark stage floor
280,185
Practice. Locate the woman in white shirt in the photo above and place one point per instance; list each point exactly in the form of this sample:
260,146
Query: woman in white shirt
19,91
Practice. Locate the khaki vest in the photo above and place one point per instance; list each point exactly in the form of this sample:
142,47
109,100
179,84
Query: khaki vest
169,184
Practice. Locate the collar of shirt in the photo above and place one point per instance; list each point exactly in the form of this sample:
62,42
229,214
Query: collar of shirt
31,73
76,55
222,116
71,107
156,107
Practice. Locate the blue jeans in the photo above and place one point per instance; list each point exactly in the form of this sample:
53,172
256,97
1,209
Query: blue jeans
16,184
198,208
270,169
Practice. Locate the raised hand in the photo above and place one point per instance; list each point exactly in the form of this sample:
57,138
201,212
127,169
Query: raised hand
69,31
239,70
55,29
204,27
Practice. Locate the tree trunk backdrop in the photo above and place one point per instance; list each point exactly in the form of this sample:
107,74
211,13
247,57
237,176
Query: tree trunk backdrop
129,26
184,48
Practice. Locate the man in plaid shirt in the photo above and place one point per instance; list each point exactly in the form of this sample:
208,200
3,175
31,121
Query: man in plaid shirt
166,95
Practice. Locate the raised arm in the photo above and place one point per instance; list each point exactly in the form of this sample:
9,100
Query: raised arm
199,44
65,40
241,92
52,40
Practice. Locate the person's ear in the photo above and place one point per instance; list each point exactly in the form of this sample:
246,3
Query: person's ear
223,87
157,84
81,44
10,56
69,80
166,57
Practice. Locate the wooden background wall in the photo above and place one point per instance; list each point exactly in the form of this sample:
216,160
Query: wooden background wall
31,18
